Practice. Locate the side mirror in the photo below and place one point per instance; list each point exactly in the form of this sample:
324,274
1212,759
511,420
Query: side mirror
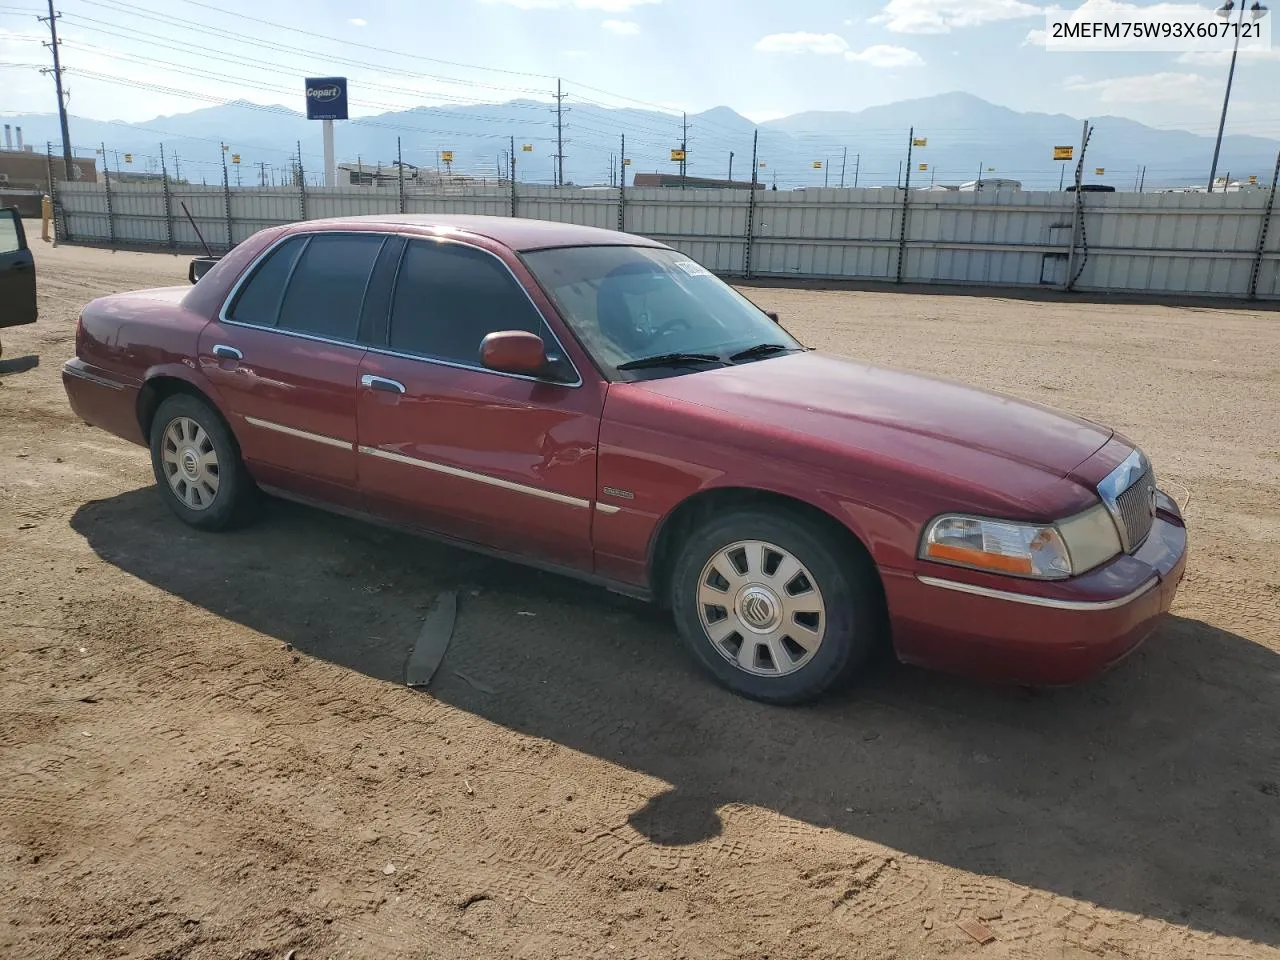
773,315
514,351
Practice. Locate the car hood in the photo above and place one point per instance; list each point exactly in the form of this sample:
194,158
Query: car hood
894,414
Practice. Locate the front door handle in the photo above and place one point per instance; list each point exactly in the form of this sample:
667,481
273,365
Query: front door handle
381,383
225,352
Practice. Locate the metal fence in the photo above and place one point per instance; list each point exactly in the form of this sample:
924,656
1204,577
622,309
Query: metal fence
1198,244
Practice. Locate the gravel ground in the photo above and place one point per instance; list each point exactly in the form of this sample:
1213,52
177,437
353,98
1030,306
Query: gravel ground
206,750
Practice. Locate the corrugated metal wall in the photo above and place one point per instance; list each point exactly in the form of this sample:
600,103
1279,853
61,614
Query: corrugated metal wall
1202,244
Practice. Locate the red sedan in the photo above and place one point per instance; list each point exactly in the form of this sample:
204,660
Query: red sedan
602,405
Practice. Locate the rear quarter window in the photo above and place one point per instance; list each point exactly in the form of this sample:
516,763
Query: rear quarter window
258,302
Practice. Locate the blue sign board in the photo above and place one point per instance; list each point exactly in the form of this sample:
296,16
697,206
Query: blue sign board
326,98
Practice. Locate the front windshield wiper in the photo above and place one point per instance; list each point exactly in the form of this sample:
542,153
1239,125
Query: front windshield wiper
759,350
668,360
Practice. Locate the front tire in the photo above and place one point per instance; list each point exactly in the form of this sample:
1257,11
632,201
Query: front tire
775,606
197,464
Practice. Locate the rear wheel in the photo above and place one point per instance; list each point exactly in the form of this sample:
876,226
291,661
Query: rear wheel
197,465
776,607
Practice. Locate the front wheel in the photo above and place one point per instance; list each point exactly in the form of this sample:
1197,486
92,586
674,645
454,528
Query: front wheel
197,464
775,606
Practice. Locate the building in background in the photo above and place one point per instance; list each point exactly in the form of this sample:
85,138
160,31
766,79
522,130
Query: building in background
675,180
24,174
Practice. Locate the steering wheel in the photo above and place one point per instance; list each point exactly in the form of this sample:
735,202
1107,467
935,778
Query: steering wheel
671,325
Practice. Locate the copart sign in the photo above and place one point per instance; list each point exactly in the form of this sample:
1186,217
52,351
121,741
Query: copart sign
327,98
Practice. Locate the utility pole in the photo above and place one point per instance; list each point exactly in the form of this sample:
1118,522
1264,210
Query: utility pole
731,166
826,172
844,161
1142,180
559,135
857,164
69,170
262,173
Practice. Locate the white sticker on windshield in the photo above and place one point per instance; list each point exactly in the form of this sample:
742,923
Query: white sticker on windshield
693,269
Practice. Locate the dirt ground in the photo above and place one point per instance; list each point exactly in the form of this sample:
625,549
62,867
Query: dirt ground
207,751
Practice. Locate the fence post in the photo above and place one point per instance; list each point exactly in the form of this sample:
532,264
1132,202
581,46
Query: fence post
1262,232
622,186
60,232
512,173
400,167
906,201
1077,216
751,207
302,186
226,198
106,182
168,201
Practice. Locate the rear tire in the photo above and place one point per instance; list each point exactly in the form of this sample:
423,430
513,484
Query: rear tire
776,607
197,464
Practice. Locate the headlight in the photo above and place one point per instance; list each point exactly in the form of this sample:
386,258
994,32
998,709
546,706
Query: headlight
1040,551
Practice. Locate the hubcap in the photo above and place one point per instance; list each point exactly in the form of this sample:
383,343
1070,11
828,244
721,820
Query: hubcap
760,608
190,463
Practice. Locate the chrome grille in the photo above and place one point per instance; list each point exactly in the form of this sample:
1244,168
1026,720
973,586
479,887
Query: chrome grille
1133,506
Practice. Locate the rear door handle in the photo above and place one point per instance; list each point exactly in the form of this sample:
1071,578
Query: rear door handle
381,383
227,353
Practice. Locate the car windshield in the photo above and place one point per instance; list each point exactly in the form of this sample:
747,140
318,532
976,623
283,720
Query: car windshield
650,311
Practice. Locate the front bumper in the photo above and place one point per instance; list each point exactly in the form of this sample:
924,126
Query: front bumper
1063,632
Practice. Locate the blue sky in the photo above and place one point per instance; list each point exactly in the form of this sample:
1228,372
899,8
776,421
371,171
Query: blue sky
138,59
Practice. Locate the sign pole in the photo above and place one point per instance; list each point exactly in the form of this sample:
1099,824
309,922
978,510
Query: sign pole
330,170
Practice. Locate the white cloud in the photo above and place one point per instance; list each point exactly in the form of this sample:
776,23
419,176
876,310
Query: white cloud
358,22
623,28
802,43
605,6
1146,88
942,16
883,55
1220,58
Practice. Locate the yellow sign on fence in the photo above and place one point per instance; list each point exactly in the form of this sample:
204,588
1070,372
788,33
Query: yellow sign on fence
626,162
1099,170
128,158
924,166
677,155
527,148
817,164
1253,180
1064,153
235,158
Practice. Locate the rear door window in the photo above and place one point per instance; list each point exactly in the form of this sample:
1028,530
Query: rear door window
327,289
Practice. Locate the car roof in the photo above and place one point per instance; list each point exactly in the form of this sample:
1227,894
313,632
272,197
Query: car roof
514,232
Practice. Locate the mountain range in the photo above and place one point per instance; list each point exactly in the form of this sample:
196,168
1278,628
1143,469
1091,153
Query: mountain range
965,136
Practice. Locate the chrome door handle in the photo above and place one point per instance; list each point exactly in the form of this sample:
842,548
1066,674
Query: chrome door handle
381,383
227,353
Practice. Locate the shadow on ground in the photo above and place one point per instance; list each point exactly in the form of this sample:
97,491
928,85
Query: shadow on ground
18,364
1152,790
